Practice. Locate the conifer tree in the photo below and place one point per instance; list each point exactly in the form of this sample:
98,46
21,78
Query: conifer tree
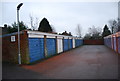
44,26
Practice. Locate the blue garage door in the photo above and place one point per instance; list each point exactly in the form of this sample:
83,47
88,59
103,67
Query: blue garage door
104,41
77,42
109,42
51,46
70,44
81,42
36,49
119,44
66,46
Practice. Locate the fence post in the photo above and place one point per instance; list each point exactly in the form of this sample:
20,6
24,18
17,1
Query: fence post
56,45
45,46
68,43
112,41
63,43
117,42
72,43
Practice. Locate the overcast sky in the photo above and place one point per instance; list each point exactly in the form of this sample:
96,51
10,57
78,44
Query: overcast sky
62,15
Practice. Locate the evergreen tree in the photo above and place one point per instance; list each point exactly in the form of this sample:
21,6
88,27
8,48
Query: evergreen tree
44,26
106,31
14,28
65,33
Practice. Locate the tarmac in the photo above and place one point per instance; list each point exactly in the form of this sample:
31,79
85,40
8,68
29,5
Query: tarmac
84,62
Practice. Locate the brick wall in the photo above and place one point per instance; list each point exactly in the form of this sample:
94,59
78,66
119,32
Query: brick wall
113,42
93,42
10,49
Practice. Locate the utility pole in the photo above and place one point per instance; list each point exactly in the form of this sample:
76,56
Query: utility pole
19,55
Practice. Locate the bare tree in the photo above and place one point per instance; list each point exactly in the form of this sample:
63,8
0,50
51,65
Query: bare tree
53,28
78,30
113,26
94,33
34,24
31,21
87,36
93,30
118,24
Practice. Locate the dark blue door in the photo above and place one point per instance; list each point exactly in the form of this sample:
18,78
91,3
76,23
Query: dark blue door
51,46
70,44
81,42
76,43
36,49
109,42
65,43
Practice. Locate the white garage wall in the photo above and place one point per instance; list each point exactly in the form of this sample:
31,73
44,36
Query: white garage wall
60,45
73,42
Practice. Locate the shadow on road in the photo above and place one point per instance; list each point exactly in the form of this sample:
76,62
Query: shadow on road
11,71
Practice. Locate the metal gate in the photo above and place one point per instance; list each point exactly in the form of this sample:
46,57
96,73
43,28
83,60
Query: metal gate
36,49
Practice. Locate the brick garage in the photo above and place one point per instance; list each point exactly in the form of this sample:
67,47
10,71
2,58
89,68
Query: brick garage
10,49
113,42
36,46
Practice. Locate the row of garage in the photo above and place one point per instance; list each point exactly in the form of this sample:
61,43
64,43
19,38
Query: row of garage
36,45
50,44
113,41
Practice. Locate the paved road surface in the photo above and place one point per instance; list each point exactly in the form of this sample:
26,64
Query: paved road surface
86,62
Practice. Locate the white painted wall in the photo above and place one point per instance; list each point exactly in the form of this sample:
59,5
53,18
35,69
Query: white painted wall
60,45
50,36
35,36
73,42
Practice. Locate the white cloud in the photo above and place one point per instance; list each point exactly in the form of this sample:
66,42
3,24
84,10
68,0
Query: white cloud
63,15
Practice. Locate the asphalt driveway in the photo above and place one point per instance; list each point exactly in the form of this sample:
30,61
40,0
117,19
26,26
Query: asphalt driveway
85,62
